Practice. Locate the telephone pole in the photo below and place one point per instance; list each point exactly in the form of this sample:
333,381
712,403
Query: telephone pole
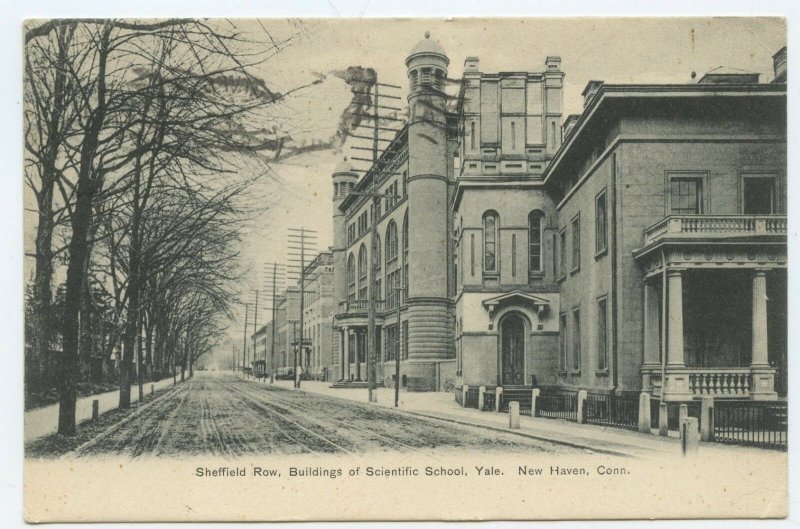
301,240
375,172
244,341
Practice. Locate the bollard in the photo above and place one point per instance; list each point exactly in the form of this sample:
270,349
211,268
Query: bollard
535,392
513,415
663,419
152,388
464,390
707,418
690,436
498,397
481,397
95,409
644,412
582,394
683,413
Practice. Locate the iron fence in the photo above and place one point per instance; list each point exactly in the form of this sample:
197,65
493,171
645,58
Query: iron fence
459,395
762,424
557,406
472,397
612,410
489,398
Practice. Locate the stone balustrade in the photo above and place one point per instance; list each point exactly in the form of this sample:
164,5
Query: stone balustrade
698,226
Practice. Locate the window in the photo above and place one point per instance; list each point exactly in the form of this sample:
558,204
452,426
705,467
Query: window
405,340
378,260
600,223
576,340
472,135
513,136
686,195
405,183
351,234
490,222
576,243
391,342
404,293
602,333
758,195
535,241
351,278
392,268
362,272
514,255
562,253
378,212
562,342
472,254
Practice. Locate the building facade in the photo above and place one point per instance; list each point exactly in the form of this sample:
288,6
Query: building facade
638,245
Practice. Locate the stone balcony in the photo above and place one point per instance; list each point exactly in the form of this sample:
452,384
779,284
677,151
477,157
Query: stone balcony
718,382
694,227
360,307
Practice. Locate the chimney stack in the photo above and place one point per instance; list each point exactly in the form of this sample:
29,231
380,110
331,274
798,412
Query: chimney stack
589,92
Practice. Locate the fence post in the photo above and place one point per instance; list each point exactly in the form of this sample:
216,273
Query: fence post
535,392
690,436
707,418
464,390
513,415
663,419
498,396
95,409
582,394
644,412
683,413
481,397
152,388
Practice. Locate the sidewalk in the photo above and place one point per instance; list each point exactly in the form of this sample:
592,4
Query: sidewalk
441,405
41,422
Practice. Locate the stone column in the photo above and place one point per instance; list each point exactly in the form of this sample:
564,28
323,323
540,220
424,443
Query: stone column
675,327
346,349
652,307
760,357
358,355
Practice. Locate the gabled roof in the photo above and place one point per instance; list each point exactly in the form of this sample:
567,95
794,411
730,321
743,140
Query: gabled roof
515,297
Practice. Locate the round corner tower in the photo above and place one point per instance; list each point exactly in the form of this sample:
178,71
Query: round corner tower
430,331
344,180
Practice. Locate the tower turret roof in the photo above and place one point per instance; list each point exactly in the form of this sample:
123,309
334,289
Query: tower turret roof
427,46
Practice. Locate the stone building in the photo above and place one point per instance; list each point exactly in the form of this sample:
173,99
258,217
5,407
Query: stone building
318,361
578,252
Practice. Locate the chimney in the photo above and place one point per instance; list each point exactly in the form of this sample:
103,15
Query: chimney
779,66
569,124
552,63
589,92
471,65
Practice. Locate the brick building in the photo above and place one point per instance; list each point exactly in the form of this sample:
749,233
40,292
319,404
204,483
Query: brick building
577,252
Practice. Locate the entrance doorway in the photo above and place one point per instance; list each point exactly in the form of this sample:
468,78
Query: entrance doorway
512,345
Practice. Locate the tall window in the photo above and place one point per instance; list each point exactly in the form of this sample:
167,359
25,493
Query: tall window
405,340
404,293
686,195
362,272
602,334
758,195
562,253
576,340
600,223
562,341
351,278
576,243
392,267
378,264
391,342
405,183
535,241
513,136
472,135
490,222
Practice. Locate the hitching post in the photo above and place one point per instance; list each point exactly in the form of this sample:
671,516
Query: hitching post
513,415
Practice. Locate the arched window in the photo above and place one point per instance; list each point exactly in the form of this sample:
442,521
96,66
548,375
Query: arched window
351,278
535,226
378,265
490,232
392,267
362,272
405,258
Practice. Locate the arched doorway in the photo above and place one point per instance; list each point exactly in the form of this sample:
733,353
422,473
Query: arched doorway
512,350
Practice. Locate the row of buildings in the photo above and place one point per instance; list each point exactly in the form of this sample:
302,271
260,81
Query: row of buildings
638,245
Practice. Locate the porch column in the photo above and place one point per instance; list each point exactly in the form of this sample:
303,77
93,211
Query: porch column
346,349
358,355
675,329
651,328
760,357
342,338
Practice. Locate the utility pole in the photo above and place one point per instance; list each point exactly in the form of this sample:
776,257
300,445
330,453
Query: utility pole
244,342
273,281
376,172
300,240
255,331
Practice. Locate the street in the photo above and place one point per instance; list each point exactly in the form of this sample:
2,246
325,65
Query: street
218,414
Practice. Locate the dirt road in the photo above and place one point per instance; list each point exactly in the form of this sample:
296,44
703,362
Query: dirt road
221,415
